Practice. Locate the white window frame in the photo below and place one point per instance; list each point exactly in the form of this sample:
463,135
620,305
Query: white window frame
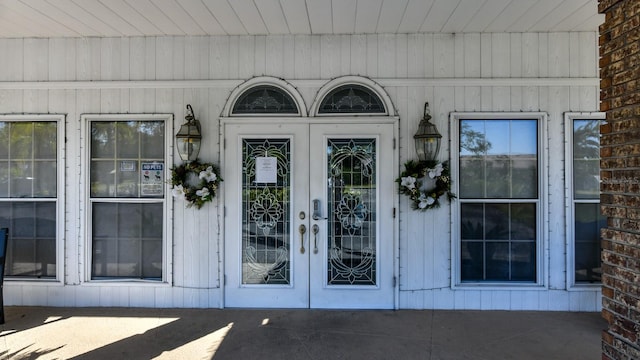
86,206
569,117
541,235
60,187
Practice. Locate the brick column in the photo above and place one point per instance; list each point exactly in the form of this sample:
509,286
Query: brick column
620,175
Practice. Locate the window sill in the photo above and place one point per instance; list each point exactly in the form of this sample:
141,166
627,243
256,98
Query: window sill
32,281
585,287
126,282
498,287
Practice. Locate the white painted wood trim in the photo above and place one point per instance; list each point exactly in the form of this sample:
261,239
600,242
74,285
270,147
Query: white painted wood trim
385,82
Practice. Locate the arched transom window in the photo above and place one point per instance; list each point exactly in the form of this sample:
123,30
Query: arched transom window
265,99
351,99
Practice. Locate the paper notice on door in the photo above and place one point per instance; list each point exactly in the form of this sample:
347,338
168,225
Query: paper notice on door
266,170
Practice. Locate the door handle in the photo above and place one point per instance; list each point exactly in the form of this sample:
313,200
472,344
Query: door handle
302,229
315,229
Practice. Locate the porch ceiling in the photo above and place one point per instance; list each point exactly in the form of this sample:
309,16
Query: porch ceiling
117,18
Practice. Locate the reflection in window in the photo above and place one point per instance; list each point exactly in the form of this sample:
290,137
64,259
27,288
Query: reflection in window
28,171
586,200
498,177
498,159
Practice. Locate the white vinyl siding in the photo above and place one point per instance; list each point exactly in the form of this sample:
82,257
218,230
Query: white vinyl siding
553,72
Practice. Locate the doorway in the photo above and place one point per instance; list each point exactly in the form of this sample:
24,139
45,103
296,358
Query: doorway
309,212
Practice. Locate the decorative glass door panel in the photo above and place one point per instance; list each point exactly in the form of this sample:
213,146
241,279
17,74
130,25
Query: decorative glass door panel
309,213
351,186
266,211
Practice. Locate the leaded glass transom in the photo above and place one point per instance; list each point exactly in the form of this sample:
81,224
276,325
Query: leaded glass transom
265,212
351,99
264,99
352,207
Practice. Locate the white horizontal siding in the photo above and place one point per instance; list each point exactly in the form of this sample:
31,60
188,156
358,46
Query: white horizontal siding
551,72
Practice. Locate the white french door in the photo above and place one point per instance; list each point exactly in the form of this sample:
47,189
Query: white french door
309,213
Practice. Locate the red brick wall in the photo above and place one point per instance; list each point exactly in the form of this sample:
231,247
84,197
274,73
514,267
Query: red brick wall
620,174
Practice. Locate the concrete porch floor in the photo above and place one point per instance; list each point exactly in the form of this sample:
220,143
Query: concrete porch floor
134,333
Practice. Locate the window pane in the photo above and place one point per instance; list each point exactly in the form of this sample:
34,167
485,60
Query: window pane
586,178
21,140
116,173
127,140
586,138
31,248
498,179
586,158
45,179
472,221
351,99
4,179
472,176
471,260
523,261
103,225
496,222
265,99
102,179
103,139
45,140
127,181
127,240
523,221
28,169
498,241
498,159
497,134
497,260
21,184
28,160
152,140
588,222
524,176
5,135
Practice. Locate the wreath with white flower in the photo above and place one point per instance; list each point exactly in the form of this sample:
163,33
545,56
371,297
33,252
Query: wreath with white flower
195,182
425,182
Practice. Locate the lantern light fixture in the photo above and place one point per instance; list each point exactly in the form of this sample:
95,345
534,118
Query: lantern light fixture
188,138
427,138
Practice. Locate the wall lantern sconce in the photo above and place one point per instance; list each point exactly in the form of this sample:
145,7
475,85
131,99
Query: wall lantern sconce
427,138
188,139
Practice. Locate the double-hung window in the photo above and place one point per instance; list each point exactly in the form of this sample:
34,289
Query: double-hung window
127,211
584,219
497,169
31,164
